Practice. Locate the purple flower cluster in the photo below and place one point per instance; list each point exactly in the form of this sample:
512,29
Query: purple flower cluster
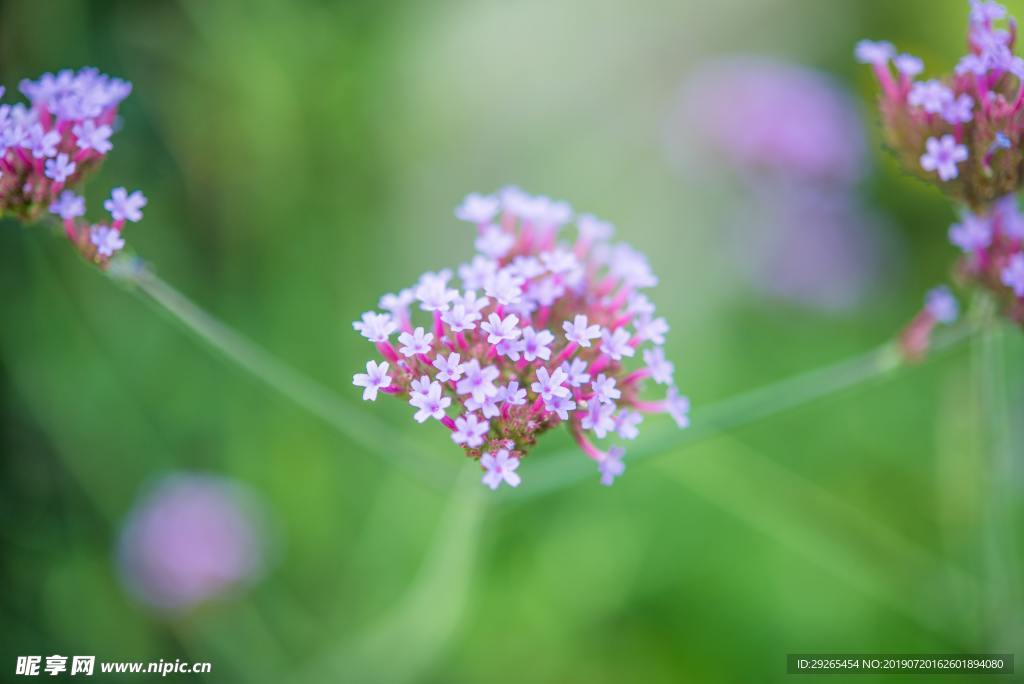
964,131
537,332
56,141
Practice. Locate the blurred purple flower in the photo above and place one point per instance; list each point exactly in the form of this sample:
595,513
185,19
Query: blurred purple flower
794,140
760,113
814,247
189,539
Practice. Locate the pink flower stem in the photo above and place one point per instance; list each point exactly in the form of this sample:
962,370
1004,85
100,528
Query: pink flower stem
565,354
542,316
606,286
463,344
448,423
600,364
620,298
585,444
438,327
638,374
886,81
650,406
387,351
621,321
1020,98
526,236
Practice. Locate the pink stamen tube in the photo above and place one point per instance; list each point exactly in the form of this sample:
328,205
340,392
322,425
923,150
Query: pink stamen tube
387,351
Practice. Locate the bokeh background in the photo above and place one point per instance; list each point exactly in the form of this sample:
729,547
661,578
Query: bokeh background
301,158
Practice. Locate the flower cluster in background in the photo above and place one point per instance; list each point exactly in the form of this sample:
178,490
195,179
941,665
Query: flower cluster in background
190,539
54,144
794,141
963,132
540,332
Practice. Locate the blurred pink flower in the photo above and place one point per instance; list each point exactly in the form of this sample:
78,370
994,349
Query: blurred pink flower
191,538
757,113
793,143
816,248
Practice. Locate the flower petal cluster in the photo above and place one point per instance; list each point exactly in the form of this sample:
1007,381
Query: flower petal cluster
539,330
56,141
962,130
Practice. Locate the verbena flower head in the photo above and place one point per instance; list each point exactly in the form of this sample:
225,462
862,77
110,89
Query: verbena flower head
543,332
963,132
58,140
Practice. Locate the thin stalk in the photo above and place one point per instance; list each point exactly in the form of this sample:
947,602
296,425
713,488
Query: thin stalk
998,536
361,427
711,420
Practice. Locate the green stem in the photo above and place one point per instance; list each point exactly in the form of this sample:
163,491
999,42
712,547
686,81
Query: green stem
363,428
743,409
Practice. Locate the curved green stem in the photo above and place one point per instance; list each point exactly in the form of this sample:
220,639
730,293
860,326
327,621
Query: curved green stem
749,407
362,427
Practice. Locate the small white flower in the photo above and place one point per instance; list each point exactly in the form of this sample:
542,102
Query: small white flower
500,467
376,377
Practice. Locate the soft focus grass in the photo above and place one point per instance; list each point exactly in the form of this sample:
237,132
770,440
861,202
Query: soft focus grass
302,158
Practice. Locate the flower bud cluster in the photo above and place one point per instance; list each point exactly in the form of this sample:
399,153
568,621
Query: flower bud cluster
58,140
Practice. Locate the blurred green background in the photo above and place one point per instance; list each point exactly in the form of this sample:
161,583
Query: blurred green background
301,158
